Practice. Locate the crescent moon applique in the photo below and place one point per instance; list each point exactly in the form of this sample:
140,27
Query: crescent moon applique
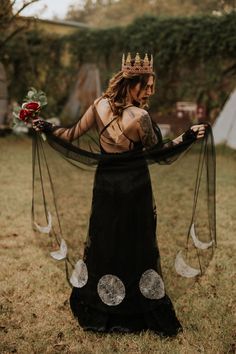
61,253
199,244
79,275
45,229
183,269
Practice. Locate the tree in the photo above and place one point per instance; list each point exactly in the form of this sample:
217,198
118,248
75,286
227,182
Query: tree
9,26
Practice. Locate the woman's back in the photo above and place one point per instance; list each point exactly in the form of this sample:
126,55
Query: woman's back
118,133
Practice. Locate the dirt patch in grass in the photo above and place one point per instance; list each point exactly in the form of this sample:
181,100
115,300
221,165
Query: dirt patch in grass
35,313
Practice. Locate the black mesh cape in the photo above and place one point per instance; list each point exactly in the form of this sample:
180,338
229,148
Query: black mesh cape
130,226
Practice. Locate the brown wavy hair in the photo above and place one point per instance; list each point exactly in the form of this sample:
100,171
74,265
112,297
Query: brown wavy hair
119,86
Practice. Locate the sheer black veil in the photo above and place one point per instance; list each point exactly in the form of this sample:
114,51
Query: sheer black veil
183,186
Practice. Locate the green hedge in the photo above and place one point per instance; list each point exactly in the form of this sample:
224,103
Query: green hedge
194,58
198,38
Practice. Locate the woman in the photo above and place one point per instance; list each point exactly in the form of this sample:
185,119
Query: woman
120,286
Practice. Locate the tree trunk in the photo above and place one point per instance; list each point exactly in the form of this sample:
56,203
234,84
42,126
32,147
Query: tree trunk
3,95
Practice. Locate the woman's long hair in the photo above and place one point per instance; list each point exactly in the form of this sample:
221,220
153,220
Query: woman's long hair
119,86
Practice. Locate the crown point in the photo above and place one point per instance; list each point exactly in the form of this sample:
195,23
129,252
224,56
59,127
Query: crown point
151,61
128,59
137,59
146,60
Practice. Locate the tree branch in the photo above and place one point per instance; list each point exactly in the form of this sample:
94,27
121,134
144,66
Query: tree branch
17,30
26,4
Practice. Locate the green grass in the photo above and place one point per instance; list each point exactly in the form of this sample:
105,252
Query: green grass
35,313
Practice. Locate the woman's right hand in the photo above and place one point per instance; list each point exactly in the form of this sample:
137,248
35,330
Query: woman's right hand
199,130
194,132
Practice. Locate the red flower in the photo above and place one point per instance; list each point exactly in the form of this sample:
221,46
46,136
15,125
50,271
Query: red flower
33,106
24,115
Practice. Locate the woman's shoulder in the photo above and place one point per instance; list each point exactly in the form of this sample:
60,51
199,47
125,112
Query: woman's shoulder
102,107
139,112
98,100
101,101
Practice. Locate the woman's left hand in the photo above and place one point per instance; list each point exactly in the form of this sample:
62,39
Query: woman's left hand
200,129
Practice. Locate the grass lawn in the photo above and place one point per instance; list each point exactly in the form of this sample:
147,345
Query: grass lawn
35,312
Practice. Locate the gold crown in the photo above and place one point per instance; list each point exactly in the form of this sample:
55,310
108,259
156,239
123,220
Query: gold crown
137,65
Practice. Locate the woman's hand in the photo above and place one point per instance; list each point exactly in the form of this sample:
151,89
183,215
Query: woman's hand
41,125
199,129
36,124
195,132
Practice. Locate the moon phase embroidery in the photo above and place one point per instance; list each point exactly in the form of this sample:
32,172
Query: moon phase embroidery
151,285
111,290
61,253
79,275
183,269
45,229
199,244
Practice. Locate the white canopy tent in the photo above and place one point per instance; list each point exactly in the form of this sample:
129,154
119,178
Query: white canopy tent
224,129
86,89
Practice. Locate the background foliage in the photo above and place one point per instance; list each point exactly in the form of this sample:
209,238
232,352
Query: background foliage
194,59
107,13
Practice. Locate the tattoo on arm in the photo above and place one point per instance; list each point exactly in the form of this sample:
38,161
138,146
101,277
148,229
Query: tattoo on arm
148,136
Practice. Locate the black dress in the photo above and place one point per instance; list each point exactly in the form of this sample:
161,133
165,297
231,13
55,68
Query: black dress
124,289
118,286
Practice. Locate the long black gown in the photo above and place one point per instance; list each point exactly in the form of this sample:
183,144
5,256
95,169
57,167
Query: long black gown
124,290
118,286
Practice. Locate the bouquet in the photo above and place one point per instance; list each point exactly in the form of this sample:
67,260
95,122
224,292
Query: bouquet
31,108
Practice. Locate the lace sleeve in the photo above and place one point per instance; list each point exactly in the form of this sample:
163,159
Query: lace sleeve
146,131
76,130
167,151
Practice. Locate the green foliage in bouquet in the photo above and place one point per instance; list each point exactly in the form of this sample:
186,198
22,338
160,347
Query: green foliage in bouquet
36,96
